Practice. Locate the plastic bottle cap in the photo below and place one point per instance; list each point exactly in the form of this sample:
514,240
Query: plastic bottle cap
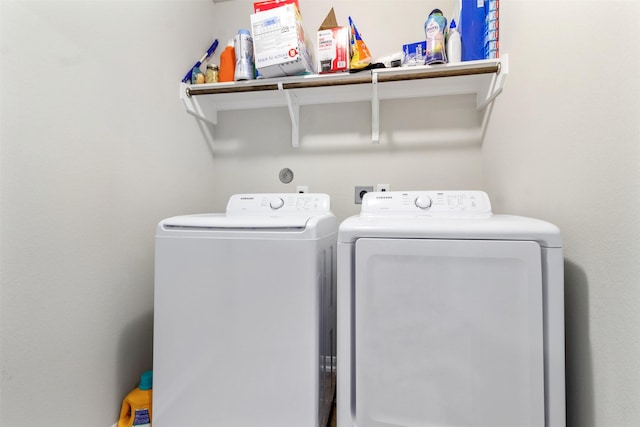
230,43
244,32
146,380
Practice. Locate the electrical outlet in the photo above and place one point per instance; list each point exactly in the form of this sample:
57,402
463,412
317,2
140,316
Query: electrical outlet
383,187
302,189
360,191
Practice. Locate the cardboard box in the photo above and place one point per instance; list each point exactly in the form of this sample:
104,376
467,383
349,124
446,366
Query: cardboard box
261,6
279,44
332,43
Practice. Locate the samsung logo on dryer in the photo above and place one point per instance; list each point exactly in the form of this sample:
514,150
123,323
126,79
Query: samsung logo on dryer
247,198
384,197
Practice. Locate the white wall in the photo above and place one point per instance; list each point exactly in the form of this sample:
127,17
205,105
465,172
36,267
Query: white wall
96,148
564,145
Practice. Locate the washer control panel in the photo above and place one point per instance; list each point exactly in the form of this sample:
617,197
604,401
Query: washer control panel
426,202
278,203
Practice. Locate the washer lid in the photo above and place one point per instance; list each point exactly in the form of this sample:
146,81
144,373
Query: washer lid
287,211
224,221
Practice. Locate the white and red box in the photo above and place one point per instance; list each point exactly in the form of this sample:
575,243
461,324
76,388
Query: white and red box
333,50
332,46
279,44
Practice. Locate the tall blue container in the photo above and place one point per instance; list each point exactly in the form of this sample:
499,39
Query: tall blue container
472,17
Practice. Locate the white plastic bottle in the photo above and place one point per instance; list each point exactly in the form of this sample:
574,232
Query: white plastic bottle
454,44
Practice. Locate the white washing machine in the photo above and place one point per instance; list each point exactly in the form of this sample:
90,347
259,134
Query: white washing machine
244,314
449,315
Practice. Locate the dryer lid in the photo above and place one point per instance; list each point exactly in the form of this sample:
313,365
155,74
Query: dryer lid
442,215
446,204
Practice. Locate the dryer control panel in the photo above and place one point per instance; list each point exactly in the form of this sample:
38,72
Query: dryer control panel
278,203
431,202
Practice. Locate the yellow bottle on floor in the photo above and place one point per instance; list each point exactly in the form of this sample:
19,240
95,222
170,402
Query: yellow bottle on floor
136,407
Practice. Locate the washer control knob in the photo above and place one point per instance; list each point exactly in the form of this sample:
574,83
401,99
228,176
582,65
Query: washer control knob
276,203
423,202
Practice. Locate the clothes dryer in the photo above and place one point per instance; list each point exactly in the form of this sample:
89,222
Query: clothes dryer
449,315
244,322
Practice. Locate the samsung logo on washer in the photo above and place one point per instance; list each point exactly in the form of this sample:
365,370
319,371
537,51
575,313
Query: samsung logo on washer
247,198
383,197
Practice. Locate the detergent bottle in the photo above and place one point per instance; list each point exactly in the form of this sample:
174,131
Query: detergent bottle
136,407
227,63
434,29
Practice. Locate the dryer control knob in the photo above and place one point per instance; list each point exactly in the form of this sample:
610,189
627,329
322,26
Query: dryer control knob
423,202
276,203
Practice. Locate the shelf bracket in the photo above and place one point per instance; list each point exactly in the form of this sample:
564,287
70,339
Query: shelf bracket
375,110
194,108
494,86
294,114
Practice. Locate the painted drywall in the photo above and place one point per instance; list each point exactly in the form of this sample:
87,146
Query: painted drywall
96,148
564,145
